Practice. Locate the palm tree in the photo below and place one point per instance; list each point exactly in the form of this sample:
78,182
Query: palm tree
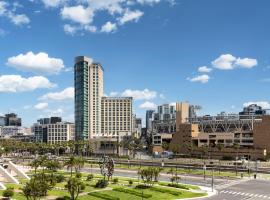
71,163
35,164
79,163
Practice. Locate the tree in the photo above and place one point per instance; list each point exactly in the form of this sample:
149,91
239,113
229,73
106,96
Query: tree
35,164
9,192
149,175
71,163
74,186
79,163
156,172
35,188
165,145
174,176
52,166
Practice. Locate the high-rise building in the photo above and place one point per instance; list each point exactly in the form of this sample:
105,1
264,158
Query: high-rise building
2,121
88,94
137,127
97,116
166,112
51,120
116,115
253,109
11,119
149,118
40,129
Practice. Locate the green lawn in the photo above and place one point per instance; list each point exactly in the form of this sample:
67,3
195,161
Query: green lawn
130,192
155,195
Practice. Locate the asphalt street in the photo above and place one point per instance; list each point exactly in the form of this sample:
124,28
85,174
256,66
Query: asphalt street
244,190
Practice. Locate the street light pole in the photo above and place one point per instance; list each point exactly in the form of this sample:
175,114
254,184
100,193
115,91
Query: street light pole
212,182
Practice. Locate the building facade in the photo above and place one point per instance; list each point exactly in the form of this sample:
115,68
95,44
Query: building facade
88,94
116,115
95,115
60,132
40,129
12,119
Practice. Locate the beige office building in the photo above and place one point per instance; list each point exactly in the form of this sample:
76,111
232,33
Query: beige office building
116,115
60,132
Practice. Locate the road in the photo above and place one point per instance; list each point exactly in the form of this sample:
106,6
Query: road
244,190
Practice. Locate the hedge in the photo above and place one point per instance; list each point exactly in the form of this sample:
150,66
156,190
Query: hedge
103,196
133,192
163,190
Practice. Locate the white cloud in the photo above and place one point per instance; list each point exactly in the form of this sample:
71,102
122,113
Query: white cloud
18,19
113,94
224,62
65,94
53,3
89,28
148,105
130,16
41,106
78,14
151,2
246,62
263,104
140,94
69,29
72,30
112,6
37,63
16,83
108,27
8,11
229,62
204,69
201,78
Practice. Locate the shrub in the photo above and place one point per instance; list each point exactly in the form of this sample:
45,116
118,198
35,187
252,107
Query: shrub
101,183
103,196
63,198
178,186
133,192
60,178
130,182
142,187
163,190
115,180
90,177
227,158
78,175
9,192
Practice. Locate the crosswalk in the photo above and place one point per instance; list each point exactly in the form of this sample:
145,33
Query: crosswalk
244,194
230,183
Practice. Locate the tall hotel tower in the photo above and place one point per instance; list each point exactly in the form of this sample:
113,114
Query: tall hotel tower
97,116
88,93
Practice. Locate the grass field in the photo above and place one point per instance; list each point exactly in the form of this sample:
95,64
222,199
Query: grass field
115,191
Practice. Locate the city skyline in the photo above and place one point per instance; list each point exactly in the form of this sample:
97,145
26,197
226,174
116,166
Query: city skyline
195,51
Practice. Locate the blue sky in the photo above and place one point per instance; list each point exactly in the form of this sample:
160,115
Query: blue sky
214,53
